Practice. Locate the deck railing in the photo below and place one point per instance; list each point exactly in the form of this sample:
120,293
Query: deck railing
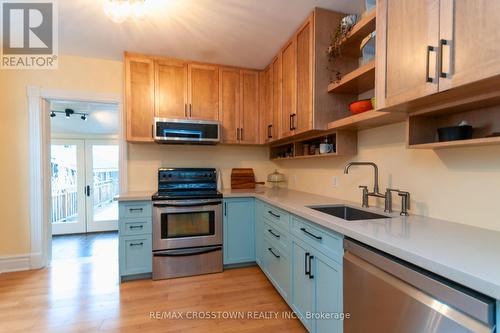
65,202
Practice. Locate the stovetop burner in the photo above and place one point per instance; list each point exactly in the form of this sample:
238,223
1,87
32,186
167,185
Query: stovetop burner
187,183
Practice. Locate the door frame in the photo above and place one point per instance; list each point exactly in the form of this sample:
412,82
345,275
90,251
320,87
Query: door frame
39,161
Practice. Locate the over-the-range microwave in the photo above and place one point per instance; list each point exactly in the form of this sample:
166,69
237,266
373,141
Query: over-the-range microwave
186,131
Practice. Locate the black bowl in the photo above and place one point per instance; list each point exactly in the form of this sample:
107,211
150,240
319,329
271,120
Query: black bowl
454,133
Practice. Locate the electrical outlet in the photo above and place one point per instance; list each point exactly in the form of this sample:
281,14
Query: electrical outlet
335,181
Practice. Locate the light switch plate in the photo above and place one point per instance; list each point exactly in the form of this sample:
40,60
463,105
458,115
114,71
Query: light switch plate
335,181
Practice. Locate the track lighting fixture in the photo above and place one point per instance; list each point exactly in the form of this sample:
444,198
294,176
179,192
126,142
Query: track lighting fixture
68,113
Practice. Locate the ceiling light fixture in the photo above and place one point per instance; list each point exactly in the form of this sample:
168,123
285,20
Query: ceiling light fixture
69,112
120,10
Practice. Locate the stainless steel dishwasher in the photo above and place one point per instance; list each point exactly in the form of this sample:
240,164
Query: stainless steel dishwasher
383,294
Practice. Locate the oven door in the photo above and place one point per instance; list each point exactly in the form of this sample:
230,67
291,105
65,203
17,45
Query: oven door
187,223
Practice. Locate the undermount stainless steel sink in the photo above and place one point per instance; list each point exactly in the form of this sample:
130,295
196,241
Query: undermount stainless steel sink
348,213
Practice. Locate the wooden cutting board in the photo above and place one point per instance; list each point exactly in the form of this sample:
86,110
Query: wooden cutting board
243,178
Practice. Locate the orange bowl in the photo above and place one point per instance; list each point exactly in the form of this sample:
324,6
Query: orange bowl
360,106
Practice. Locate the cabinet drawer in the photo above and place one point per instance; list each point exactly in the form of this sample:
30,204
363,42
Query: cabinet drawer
277,216
131,209
277,235
137,226
277,266
135,254
325,241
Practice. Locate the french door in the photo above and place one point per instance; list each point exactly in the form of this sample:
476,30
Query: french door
85,177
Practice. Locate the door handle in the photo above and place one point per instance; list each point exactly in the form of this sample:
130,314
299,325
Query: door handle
311,276
87,190
442,44
428,78
306,262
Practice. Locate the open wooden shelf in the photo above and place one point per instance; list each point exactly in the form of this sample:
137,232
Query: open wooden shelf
366,25
356,82
345,144
422,127
368,119
458,143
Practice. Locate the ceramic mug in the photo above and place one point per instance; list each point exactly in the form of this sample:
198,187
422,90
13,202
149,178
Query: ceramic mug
325,148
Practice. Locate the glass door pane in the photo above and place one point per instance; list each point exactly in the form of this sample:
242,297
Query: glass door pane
67,182
103,177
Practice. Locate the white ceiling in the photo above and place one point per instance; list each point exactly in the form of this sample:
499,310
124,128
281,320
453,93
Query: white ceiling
102,118
245,33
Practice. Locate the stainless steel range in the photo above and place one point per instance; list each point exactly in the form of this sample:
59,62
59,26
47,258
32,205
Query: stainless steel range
187,223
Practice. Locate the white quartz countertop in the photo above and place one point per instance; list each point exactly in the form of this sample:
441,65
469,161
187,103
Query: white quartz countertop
465,254
134,196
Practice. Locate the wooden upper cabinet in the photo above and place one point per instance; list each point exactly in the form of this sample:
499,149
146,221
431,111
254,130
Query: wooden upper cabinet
408,50
304,118
203,91
289,90
470,41
249,112
171,89
229,104
266,104
277,102
139,98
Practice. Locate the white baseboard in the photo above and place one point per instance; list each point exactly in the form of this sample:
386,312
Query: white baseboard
14,263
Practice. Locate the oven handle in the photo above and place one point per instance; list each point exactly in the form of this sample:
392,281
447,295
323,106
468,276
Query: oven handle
188,204
187,252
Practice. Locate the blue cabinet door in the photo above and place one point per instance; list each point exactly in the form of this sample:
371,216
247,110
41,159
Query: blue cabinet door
135,254
239,230
302,283
328,293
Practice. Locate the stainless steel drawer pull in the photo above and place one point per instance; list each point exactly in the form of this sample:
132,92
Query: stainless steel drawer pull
135,209
136,227
274,214
274,254
428,77
137,244
272,233
311,234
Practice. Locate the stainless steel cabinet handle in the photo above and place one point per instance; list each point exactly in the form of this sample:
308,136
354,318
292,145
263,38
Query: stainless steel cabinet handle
272,233
428,78
273,214
137,244
274,254
311,234
442,44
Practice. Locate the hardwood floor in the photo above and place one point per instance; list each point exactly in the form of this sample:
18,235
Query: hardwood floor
85,296
99,244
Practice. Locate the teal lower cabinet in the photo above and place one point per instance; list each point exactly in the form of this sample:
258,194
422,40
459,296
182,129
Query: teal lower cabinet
277,266
135,239
239,230
259,233
316,289
302,301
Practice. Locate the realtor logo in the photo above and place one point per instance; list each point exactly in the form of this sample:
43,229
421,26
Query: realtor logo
29,34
